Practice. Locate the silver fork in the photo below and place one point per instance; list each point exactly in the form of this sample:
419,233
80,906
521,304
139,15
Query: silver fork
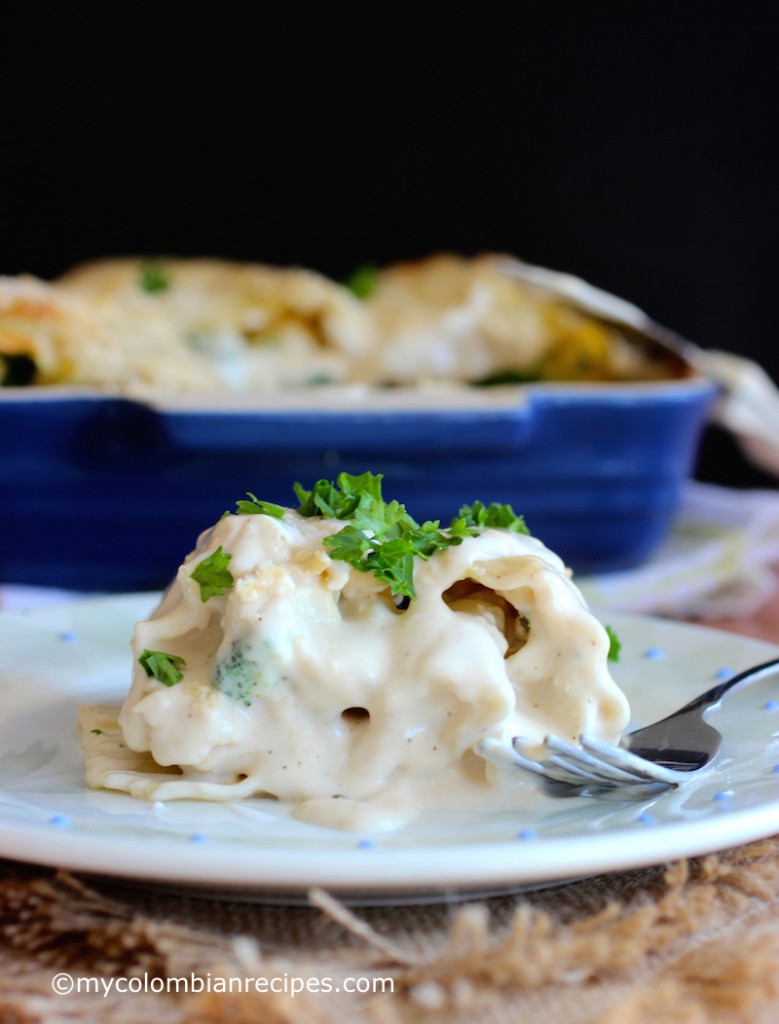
661,755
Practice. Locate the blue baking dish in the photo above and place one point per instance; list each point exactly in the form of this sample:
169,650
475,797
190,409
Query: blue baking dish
107,493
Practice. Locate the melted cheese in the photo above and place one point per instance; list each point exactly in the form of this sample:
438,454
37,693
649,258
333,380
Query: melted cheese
305,681
217,327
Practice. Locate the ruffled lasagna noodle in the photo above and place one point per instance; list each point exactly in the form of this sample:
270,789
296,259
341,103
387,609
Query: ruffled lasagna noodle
306,681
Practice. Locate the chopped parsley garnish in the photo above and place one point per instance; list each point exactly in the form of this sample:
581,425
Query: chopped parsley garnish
362,281
381,537
501,377
212,575
257,507
162,666
500,517
153,278
615,645
340,500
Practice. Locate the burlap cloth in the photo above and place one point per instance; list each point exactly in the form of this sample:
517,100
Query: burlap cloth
688,942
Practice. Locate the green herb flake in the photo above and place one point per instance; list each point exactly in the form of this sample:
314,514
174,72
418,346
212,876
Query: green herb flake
342,499
153,278
257,507
615,645
363,280
499,517
212,575
503,377
162,666
96,732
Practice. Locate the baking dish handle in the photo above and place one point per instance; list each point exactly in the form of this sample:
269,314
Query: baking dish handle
748,405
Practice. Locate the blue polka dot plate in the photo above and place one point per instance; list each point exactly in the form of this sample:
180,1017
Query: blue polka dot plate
54,659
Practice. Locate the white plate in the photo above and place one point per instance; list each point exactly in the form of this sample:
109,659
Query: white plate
54,659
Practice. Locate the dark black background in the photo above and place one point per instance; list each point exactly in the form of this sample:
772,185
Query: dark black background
630,143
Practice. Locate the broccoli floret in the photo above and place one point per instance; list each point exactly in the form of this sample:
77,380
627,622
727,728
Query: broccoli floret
239,676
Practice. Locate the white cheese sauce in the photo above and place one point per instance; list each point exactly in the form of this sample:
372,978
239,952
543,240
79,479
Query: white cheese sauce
306,683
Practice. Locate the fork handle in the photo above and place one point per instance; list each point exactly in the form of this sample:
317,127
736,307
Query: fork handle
713,697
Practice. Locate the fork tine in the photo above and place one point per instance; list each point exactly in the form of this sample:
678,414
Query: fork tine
569,763
623,759
502,755
584,764
594,764
549,767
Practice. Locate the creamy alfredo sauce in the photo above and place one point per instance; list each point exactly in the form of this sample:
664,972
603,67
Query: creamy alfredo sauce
305,682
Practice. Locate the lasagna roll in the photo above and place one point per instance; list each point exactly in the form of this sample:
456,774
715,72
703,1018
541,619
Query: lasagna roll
249,327
453,318
273,666
51,336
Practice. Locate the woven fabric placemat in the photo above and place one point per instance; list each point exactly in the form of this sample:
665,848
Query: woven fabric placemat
691,942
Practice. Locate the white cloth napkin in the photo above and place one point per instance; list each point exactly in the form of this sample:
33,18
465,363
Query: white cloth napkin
716,563
20,597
